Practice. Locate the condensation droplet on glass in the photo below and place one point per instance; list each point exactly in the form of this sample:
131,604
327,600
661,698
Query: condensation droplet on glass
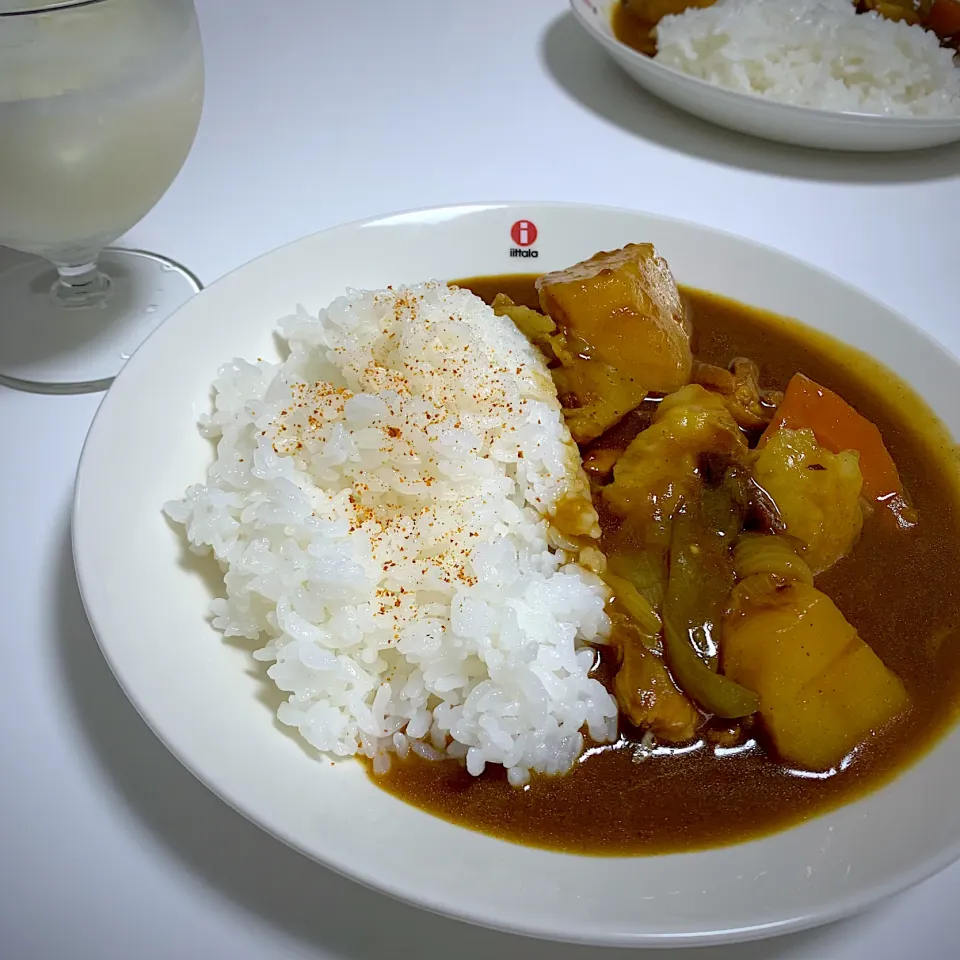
166,268
125,356
151,309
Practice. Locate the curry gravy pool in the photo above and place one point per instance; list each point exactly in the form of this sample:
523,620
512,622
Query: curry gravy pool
899,589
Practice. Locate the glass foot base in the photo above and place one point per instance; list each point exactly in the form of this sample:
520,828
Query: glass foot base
52,349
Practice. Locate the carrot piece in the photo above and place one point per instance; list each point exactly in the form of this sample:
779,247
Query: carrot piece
837,426
944,18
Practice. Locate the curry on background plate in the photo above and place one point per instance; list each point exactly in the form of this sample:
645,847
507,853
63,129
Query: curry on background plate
635,21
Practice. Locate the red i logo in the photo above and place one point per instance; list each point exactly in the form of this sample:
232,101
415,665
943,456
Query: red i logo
524,233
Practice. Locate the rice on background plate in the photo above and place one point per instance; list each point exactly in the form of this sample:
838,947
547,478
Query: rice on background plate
404,526
814,53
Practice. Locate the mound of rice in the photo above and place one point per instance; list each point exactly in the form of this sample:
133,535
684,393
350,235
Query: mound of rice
814,53
405,527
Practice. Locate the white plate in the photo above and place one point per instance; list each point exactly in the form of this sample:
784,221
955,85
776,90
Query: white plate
800,126
205,697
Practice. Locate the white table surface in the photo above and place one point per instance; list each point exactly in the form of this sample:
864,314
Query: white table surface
318,112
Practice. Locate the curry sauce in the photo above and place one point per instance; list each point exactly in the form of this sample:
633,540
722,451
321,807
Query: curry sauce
901,590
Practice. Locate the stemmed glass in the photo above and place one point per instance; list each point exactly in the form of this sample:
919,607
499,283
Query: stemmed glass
99,106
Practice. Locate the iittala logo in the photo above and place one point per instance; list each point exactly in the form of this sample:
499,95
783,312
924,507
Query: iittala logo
524,235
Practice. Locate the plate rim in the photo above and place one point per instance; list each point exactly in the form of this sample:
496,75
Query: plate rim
868,894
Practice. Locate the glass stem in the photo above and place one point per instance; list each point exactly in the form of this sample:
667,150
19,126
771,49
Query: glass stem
81,284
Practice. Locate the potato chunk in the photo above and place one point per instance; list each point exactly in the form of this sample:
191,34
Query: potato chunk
816,492
622,335
626,307
822,689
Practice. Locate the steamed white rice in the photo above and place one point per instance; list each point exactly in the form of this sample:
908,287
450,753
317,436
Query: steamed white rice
380,503
814,53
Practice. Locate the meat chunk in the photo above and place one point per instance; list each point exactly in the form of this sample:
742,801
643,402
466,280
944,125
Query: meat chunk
646,694
816,494
621,335
739,387
822,689
537,328
661,465
599,464
595,395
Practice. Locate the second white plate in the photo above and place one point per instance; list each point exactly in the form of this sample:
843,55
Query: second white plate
798,126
